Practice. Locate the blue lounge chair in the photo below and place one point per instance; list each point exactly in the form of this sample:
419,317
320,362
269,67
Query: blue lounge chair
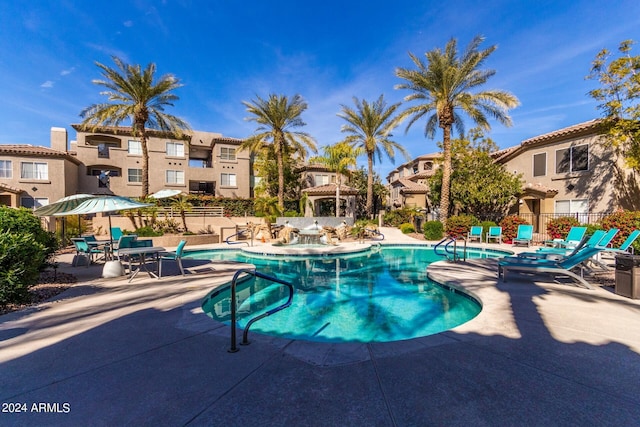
626,245
559,253
524,235
475,233
574,237
84,250
173,256
554,267
494,233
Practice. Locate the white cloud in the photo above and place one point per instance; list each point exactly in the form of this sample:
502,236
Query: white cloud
67,71
128,23
47,85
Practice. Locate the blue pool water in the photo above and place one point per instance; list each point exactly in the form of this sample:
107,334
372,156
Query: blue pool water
376,296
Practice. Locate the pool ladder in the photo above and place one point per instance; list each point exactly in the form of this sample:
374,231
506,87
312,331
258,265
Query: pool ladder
234,308
239,233
451,255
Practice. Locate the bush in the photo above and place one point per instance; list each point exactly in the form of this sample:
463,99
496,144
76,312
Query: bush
399,216
626,222
485,227
148,231
558,228
23,221
459,225
407,228
21,259
509,226
433,230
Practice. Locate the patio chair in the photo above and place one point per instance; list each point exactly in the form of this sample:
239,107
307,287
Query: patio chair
125,241
559,253
116,233
475,233
494,233
626,245
83,249
524,235
574,237
173,256
554,267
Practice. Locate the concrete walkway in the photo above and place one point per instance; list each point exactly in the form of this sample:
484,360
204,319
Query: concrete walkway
108,352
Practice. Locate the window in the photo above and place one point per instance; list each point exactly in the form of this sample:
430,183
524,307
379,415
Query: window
572,159
227,153
134,175
175,177
175,149
415,169
540,164
34,170
333,179
103,151
576,207
428,166
321,180
34,202
228,179
5,169
135,148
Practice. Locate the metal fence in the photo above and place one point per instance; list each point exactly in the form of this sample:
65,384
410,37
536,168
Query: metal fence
200,211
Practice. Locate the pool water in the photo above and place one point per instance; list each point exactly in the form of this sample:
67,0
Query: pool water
376,296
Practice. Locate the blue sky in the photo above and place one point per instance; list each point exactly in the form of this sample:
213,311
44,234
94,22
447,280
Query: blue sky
226,52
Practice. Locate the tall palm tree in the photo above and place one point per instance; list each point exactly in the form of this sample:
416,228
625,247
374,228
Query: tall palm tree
443,87
369,128
135,96
277,116
338,158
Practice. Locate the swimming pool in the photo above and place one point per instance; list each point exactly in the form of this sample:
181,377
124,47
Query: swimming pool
376,296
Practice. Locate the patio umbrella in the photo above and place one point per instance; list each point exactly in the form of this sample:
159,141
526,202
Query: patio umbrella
163,194
63,205
103,204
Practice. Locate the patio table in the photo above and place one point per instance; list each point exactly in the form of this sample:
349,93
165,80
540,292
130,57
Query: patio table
140,255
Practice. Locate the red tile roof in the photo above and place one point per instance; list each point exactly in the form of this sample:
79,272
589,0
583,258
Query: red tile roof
35,151
330,189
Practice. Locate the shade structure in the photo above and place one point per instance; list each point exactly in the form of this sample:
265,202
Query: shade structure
104,203
163,194
63,205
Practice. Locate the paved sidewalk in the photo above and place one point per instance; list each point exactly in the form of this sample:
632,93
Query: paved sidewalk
110,353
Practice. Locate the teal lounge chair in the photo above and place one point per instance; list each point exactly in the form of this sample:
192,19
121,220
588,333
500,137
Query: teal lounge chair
494,233
555,268
626,245
475,233
85,251
574,237
559,253
173,256
524,235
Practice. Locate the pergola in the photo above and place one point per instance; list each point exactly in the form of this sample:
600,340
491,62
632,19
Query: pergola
328,192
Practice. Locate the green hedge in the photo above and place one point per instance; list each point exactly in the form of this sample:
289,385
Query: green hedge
433,230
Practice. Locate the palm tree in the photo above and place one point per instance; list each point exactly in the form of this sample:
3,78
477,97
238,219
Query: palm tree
369,126
136,97
442,87
338,158
276,117
182,205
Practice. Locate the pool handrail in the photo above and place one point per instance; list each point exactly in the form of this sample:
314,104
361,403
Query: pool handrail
454,255
234,309
237,234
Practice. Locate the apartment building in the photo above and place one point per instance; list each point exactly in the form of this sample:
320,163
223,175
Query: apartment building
109,161
408,183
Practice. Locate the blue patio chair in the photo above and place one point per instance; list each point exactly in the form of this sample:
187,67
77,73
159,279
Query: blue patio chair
116,233
626,245
173,256
554,267
475,233
574,237
125,241
524,235
558,253
494,233
83,249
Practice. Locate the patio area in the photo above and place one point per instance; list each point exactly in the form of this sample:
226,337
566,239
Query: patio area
144,353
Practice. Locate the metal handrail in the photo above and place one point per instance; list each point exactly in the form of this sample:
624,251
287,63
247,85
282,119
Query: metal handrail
374,232
238,234
454,254
234,309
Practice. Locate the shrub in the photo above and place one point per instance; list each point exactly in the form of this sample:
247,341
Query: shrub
148,231
407,228
399,216
485,227
626,222
558,228
509,226
459,225
23,221
20,261
433,230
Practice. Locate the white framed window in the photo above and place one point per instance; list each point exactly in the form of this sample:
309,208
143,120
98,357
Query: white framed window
227,153
578,208
134,175
572,159
321,180
540,164
175,149
34,170
134,147
34,202
228,179
6,169
175,177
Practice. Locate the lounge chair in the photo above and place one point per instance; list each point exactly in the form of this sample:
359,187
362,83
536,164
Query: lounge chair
116,233
554,267
559,253
173,256
574,237
494,233
83,249
475,233
524,235
626,245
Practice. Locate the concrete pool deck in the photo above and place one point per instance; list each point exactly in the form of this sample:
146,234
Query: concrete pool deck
143,353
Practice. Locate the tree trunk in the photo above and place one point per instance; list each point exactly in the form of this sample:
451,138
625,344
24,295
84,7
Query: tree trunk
280,160
369,207
339,181
145,160
446,174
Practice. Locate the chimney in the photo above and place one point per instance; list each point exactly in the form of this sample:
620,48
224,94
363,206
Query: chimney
59,139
